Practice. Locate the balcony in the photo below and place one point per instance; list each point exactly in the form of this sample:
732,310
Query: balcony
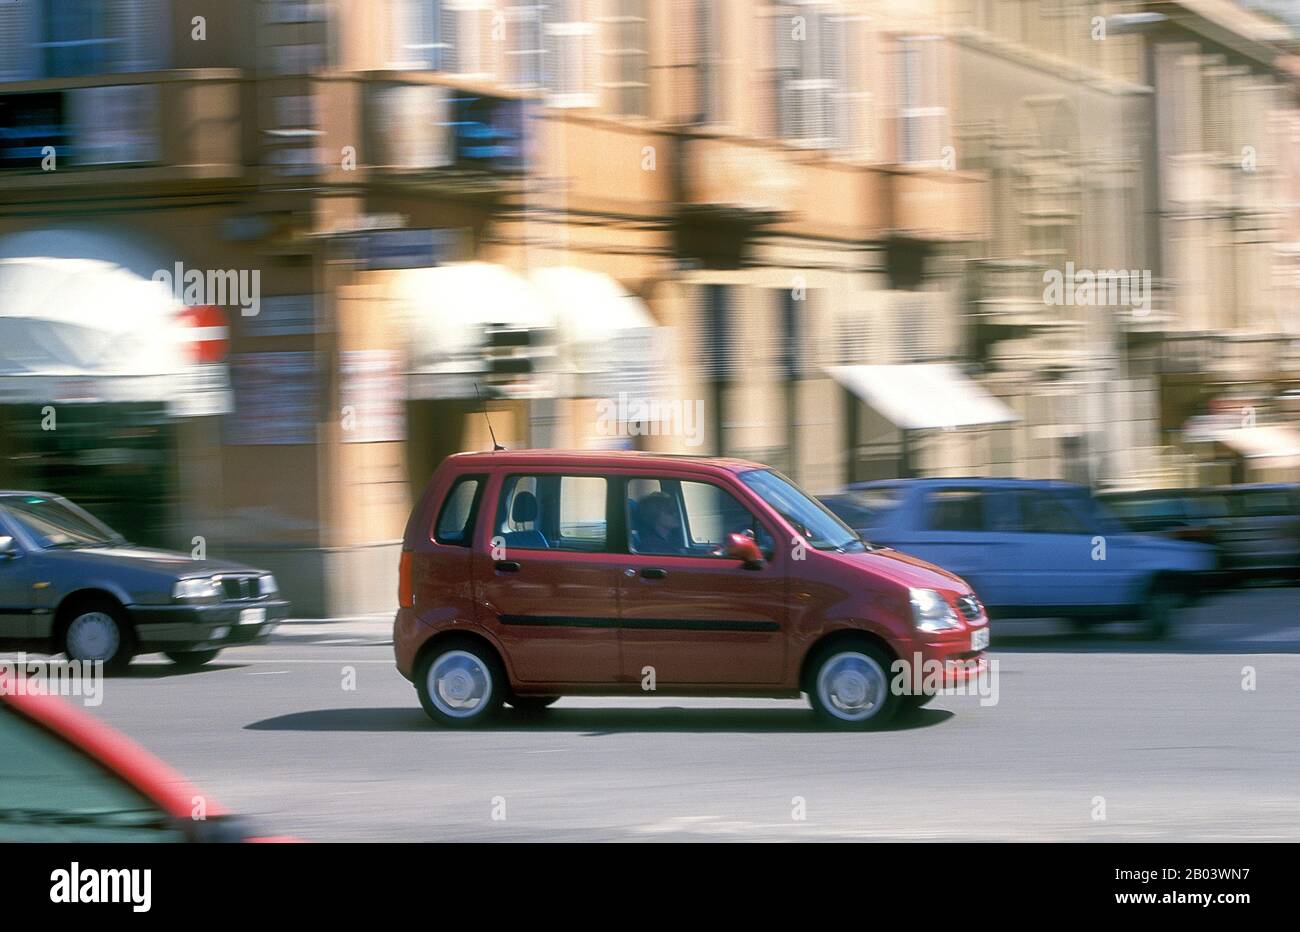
146,128
733,181
934,204
1010,295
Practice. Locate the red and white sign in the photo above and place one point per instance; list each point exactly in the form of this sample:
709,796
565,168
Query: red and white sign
207,332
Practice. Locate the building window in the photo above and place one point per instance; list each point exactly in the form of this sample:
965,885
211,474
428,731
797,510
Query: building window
551,46
922,116
810,74
626,58
75,38
442,35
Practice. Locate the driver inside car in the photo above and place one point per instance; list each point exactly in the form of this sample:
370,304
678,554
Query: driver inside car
659,528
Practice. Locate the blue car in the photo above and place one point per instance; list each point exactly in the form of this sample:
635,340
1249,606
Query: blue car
1031,548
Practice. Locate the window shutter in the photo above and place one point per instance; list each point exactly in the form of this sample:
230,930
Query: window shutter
18,25
142,27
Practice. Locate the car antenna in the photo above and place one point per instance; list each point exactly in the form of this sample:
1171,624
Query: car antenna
495,446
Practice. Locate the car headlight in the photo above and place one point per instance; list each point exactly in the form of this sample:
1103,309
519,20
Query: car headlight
197,590
267,585
931,611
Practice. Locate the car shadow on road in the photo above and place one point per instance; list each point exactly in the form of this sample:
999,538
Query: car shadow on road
589,722
157,671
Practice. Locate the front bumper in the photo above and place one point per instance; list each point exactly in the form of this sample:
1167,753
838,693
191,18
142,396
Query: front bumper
205,627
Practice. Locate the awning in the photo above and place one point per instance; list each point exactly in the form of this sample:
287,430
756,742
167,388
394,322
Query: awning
449,309
1269,441
922,396
606,336
88,330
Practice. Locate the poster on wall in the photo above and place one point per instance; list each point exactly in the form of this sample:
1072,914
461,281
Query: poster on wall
277,399
372,394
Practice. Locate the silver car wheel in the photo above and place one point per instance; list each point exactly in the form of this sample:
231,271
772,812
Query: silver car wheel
93,636
459,684
852,686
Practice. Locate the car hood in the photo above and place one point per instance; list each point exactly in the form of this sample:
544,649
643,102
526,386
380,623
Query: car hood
902,568
147,558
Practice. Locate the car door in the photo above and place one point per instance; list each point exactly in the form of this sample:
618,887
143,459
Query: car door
546,584
1060,557
24,609
960,529
688,614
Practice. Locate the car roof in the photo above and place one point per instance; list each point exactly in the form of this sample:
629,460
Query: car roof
597,459
18,493
992,482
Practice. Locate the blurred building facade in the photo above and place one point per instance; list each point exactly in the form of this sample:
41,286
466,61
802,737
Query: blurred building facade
706,227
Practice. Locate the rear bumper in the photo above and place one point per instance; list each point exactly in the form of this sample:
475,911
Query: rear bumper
205,627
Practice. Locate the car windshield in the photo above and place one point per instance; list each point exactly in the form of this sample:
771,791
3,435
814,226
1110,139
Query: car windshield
816,523
53,523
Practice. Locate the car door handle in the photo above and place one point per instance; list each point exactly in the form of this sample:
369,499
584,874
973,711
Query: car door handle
654,572
508,566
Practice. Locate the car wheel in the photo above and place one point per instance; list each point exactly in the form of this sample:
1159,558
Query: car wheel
532,704
849,686
1158,611
461,685
97,631
191,659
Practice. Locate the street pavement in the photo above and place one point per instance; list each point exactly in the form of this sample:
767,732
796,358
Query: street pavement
1103,737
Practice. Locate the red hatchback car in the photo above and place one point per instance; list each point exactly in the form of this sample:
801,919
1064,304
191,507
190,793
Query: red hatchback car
534,574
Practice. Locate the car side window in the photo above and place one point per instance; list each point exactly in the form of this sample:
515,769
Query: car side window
552,512
1045,513
955,510
455,524
670,517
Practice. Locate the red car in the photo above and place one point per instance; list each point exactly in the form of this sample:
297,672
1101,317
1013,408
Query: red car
534,574
65,776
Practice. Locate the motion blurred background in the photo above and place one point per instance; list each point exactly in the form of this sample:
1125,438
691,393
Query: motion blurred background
256,256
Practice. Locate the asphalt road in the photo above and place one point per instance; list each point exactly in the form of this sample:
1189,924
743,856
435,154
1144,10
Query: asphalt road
1160,739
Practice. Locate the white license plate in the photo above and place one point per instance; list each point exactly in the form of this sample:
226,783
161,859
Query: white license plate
979,639
252,616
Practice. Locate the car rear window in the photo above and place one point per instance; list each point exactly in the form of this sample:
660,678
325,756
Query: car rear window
455,524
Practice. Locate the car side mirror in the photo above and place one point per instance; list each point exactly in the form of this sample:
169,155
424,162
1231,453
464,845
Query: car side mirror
745,549
8,550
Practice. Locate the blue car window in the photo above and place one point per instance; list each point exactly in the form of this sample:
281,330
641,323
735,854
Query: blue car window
955,510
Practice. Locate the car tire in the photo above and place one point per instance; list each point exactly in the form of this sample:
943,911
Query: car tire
1158,610
461,684
532,705
191,659
97,630
848,686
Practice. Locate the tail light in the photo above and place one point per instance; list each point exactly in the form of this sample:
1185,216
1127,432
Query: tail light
405,589
1193,533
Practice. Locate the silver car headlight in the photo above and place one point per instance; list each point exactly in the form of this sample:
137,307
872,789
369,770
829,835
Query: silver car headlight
267,585
931,611
204,589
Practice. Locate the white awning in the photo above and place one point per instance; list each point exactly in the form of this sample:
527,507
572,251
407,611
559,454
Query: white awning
448,310
88,330
1269,441
921,396
606,336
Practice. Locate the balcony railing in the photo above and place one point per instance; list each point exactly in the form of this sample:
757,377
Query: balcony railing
159,125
